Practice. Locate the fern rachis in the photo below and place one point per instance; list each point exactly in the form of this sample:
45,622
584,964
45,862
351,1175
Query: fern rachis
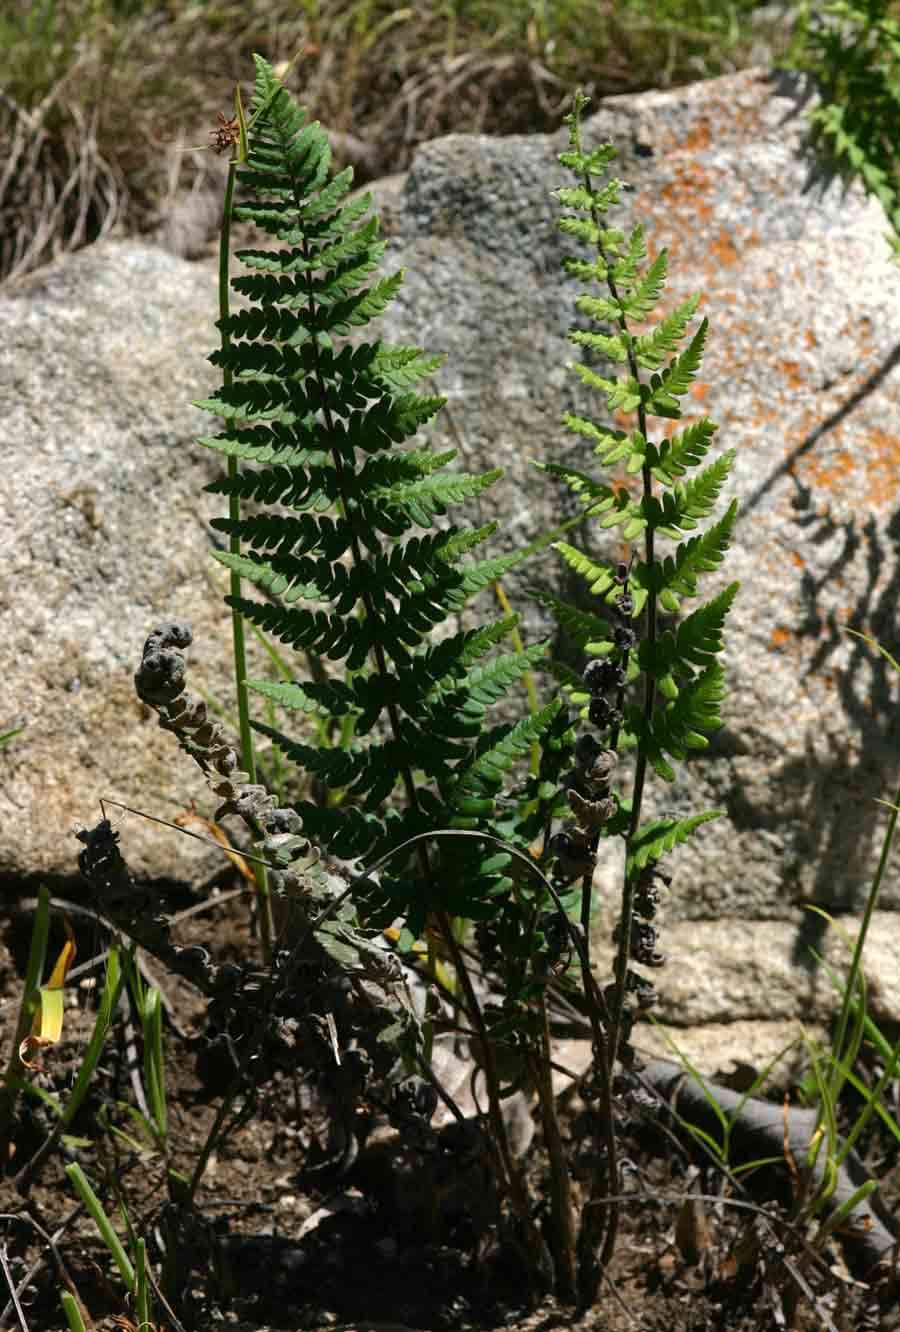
320,427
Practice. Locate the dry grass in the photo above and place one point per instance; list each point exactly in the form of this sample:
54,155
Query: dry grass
100,100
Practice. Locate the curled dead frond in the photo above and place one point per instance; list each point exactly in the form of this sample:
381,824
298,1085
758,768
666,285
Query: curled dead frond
127,1325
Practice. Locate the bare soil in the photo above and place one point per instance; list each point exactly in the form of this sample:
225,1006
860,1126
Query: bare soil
273,1243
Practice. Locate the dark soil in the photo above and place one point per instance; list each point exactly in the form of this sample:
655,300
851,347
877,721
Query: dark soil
273,1243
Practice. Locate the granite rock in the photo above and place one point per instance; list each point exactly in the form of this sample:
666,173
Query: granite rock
103,534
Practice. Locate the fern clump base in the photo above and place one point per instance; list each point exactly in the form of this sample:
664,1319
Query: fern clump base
433,847
342,546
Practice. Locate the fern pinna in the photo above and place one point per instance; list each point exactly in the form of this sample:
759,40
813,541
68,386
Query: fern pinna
634,636
316,418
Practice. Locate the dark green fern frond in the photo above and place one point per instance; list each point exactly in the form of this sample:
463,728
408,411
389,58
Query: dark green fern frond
384,472
460,542
468,647
288,578
348,832
368,774
443,665
400,367
484,573
472,794
298,488
327,635
426,499
326,698
343,316
324,425
263,445
461,712
485,685
331,537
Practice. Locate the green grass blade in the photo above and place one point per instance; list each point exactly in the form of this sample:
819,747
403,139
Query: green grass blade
141,1293
874,1104
80,1184
721,1149
72,1312
875,889
154,1063
845,1211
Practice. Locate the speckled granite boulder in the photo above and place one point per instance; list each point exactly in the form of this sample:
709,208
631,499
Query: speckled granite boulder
102,533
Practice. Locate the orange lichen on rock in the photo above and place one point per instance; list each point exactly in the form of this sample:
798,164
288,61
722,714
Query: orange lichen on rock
698,137
882,464
832,474
868,476
687,193
794,375
724,248
781,636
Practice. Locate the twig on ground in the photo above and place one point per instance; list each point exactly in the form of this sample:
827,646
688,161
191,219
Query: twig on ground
759,1128
14,1298
52,1242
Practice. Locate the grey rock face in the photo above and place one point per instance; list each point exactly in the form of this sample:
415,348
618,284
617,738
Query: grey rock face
102,533
103,521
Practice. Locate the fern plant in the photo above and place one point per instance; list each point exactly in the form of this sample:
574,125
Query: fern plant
316,417
653,684
349,543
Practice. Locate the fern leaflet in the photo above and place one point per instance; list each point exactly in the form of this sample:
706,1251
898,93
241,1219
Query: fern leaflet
656,839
